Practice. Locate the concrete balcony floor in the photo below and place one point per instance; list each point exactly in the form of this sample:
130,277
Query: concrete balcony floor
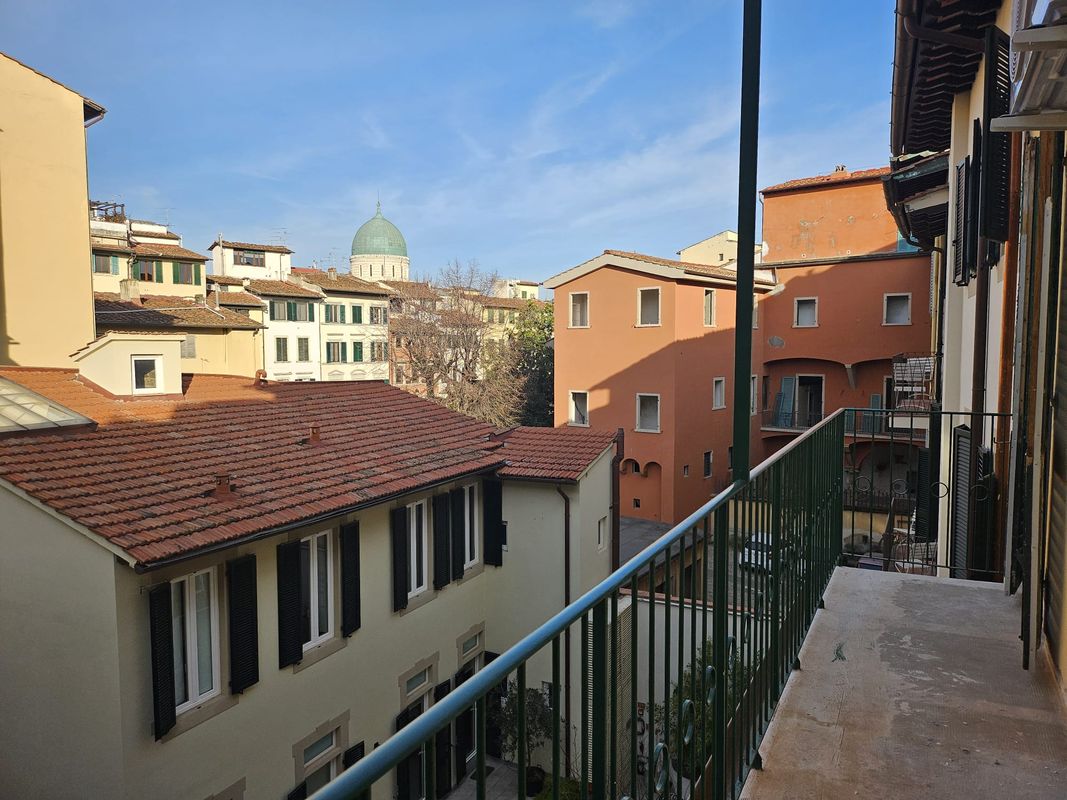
912,687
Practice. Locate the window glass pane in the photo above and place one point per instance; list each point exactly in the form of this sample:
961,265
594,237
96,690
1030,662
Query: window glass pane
204,634
719,399
709,306
177,617
418,546
305,590
471,643
579,310
319,778
318,747
897,311
648,413
581,408
415,681
144,373
649,306
322,563
805,313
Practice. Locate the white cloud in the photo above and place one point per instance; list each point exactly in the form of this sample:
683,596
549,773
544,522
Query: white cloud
607,13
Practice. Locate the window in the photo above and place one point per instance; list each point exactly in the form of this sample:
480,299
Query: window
470,523
755,314
281,349
278,309
647,307
320,776
357,315
579,310
195,638
379,351
417,528
648,413
102,264
707,463
417,681
301,312
579,408
249,258
766,392
316,588
470,645
334,313
188,346
602,533
805,312
511,316
718,393
150,271
147,374
896,309
685,471
303,349
185,273
709,308
378,315
357,352
753,397
335,352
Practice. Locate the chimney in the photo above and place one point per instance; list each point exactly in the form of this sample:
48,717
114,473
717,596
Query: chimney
129,289
840,168
332,273
313,435
261,378
223,487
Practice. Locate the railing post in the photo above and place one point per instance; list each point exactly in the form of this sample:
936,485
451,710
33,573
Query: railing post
718,654
600,750
520,747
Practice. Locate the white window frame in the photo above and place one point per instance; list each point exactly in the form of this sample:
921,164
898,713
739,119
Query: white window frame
419,506
197,698
471,527
708,463
159,388
659,413
281,339
570,309
715,382
307,346
313,555
330,757
704,310
796,312
602,534
470,652
571,408
885,309
753,395
659,307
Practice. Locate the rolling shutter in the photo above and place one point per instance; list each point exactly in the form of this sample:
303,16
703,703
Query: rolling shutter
493,522
443,746
159,627
398,522
996,155
290,642
456,500
244,630
350,600
961,493
442,563
961,273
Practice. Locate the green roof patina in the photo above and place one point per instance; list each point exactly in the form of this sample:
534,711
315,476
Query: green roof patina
379,237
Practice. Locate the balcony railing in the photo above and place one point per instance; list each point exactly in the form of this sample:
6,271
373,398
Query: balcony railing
781,419
671,693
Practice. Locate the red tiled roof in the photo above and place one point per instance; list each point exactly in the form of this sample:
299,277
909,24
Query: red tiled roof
560,454
266,248
844,176
156,311
509,302
281,289
155,234
686,266
165,251
413,290
143,479
224,280
341,282
235,299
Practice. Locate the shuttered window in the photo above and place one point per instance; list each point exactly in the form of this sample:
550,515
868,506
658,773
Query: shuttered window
243,623
961,273
290,641
493,522
442,542
357,315
163,695
709,307
398,523
350,580
996,147
457,500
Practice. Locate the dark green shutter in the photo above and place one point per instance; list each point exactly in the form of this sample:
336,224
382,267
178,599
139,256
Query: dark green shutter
197,274
342,310
398,521
290,310
311,312
344,352
492,521
176,272
353,754
357,352
114,265
158,265
457,500
357,315
442,567
159,627
270,304
290,643
350,600
244,630
923,495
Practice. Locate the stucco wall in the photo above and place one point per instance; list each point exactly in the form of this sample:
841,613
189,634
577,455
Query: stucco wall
108,361
236,352
59,689
44,220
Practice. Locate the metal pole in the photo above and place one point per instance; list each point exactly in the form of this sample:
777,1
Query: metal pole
746,236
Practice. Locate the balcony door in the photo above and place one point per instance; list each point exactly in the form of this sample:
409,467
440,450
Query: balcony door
809,400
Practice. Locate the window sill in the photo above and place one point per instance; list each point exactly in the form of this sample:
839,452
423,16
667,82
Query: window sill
718,408
418,601
578,424
816,325
473,571
647,430
315,654
577,327
649,325
202,713
895,324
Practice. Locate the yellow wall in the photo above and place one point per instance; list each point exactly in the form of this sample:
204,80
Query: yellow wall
236,352
108,362
44,221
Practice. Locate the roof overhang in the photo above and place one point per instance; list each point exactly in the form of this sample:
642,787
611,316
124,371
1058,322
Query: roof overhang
763,283
916,193
1038,70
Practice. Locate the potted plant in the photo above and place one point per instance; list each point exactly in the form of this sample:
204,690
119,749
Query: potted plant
538,730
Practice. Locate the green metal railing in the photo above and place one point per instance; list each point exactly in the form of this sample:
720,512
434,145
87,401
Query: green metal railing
685,651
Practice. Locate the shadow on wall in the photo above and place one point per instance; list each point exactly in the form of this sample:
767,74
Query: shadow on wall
5,337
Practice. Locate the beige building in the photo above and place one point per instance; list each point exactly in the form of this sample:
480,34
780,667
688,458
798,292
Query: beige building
44,212
298,575
715,251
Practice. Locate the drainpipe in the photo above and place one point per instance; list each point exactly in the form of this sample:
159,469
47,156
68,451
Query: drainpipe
616,512
567,630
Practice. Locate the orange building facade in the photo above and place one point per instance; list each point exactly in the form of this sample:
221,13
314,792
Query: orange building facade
646,344
851,296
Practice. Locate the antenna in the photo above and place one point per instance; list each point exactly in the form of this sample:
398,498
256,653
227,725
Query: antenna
279,235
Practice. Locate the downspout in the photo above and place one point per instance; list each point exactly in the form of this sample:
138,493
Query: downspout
616,511
567,630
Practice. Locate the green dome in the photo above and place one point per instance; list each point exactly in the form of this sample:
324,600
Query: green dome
379,237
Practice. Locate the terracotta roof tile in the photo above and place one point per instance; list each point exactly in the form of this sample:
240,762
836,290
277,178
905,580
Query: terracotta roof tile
235,299
156,235
413,290
341,282
224,280
843,176
165,251
143,478
509,302
266,248
156,312
688,266
552,453
281,289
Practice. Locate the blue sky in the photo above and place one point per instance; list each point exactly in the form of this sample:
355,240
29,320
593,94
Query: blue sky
529,136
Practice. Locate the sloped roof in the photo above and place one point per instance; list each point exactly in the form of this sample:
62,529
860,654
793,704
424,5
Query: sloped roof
415,290
157,311
341,282
832,178
281,289
164,250
235,299
266,248
556,454
224,280
489,301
